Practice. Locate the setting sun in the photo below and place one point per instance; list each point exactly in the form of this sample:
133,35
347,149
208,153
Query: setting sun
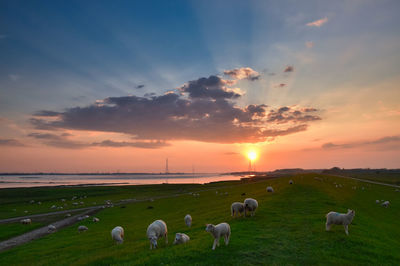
252,155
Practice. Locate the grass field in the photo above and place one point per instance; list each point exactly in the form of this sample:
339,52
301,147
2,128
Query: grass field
288,228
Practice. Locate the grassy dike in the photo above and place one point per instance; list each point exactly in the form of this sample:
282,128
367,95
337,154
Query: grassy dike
288,228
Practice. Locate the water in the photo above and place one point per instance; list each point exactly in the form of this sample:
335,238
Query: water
13,181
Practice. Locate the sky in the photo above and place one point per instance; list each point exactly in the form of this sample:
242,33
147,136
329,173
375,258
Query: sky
106,86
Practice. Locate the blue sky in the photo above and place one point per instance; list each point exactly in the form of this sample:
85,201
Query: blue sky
57,55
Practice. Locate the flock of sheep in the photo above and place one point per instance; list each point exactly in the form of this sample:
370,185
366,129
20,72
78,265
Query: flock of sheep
158,229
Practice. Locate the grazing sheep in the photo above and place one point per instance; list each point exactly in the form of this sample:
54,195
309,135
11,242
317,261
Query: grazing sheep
188,220
237,208
155,231
26,221
96,220
250,205
62,200
39,203
222,229
340,219
68,215
270,189
53,207
290,182
32,201
75,203
82,228
117,234
181,238
385,204
51,228
377,201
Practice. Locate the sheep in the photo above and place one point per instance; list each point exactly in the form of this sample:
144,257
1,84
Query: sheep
181,238
82,228
32,201
53,207
250,205
156,230
188,220
26,221
385,204
95,219
270,189
377,201
237,208
117,234
340,219
290,182
222,229
68,215
51,228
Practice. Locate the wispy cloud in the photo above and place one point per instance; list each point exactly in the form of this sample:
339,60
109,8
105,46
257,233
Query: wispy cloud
243,73
381,143
11,142
140,86
317,23
288,69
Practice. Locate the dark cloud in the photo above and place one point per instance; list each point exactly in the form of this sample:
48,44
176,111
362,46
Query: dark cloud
211,87
46,113
381,143
140,86
136,144
288,69
289,114
45,136
231,153
243,73
11,143
204,110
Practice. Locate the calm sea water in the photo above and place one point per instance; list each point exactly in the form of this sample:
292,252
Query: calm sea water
12,181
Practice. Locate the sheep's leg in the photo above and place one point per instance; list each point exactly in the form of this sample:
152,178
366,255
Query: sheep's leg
218,242
346,229
166,238
151,246
328,227
227,239
252,213
215,243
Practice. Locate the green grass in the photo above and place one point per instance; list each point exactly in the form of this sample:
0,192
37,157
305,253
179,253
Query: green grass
288,228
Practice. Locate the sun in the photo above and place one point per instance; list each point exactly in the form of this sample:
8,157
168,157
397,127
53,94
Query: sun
252,155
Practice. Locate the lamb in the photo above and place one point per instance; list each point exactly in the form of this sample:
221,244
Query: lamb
26,221
237,208
51,228
117,234
290,182
385,204
222,229
340,219
155,231
188,220
181,238
270,189
95,219
82,228
250,205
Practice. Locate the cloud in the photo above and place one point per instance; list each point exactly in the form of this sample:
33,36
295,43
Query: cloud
11,143
388,142
317,23
201,110
288,69
310,44
290,114
243,73
140,86
231,153
62,141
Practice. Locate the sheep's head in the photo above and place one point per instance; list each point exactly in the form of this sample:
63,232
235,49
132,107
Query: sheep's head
178,237
153,241
210,227
351,212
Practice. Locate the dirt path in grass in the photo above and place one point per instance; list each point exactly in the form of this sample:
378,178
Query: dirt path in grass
367,181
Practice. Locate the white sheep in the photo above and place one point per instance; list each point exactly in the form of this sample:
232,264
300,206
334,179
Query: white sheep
290,182
68,215
237,208
340,219
377,201
181,238
117,234
222,229
188,220
26,221
95,219
51,228
82,228
270,189
385,204
156,230
250,205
